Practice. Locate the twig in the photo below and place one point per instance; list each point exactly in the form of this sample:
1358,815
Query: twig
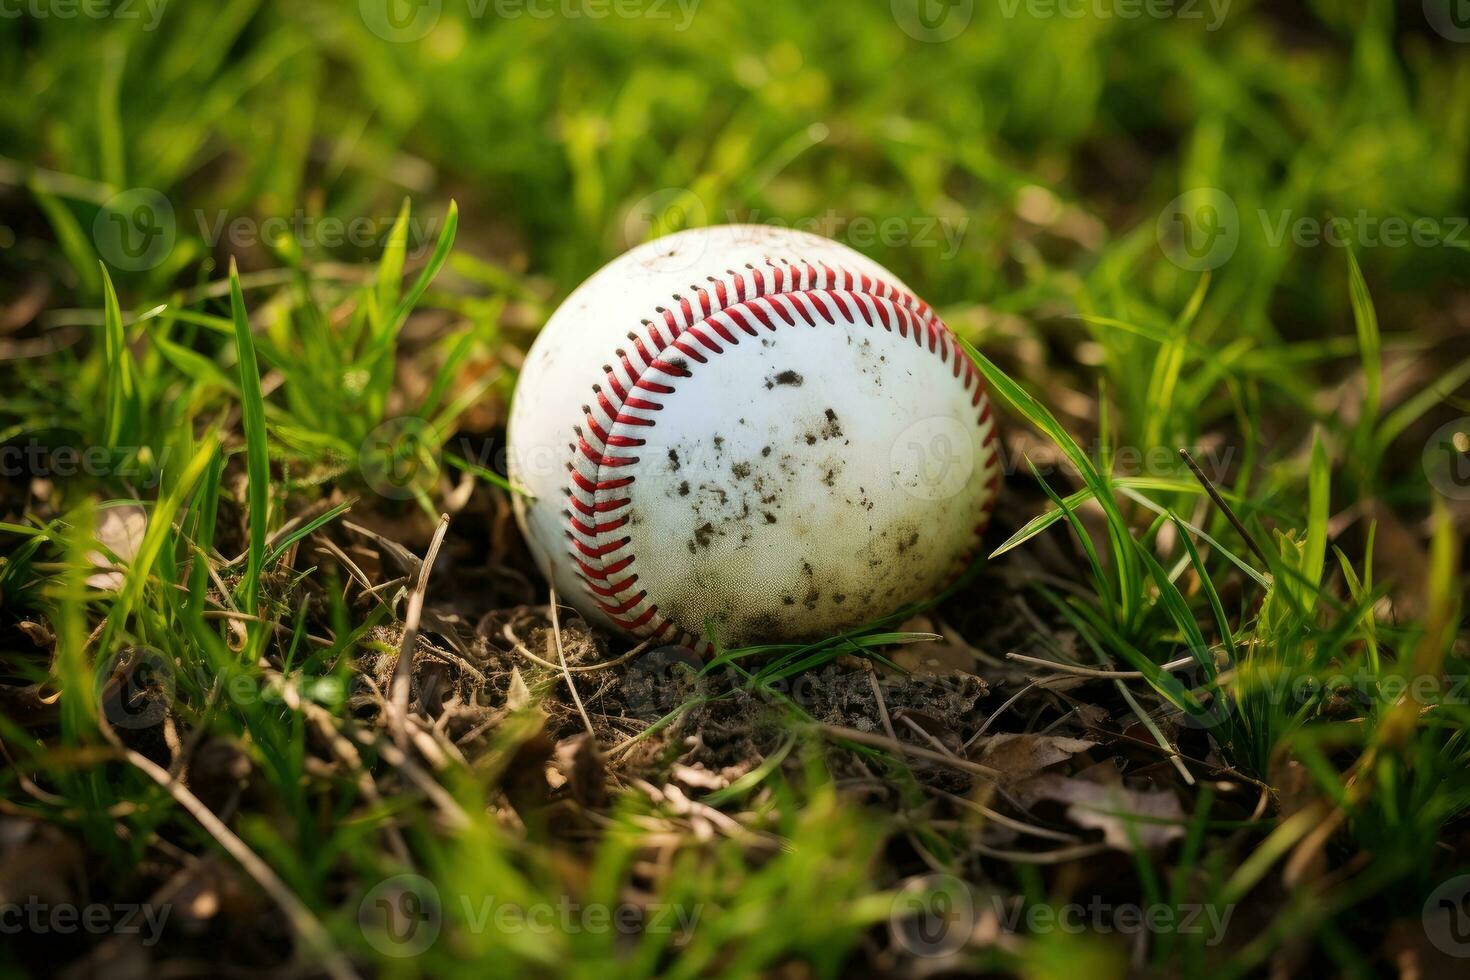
561,657
437,751
403,670
1225,508
882,705
26,783
1172,665
280,533
341,746
385,586
306,925
996,714
614,753
919,730
520,648
1043,857
179,768
239,617
226,602
1154,730
1059,719
431,788
1005,821
904,748
353,571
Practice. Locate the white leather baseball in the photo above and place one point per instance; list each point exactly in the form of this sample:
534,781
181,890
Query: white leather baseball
751,433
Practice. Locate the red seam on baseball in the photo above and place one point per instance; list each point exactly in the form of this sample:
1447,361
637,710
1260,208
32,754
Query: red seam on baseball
753,300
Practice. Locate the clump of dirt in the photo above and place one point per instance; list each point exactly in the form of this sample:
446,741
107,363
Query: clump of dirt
667,709
790,378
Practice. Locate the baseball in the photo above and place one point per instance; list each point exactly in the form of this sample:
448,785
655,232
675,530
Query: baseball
749,434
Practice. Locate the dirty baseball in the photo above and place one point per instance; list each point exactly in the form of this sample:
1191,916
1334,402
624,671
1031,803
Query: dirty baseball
749,434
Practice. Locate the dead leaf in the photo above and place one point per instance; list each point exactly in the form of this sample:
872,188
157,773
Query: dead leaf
1021,756
1151,818
519,695
698,778
524,777
938,658
120,531
580,765
39,633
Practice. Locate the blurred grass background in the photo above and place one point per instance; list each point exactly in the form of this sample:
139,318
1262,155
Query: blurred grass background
1029,160
1044,147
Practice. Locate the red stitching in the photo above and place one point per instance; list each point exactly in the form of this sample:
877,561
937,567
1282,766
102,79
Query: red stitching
604,573
608,591
619,608
633,625
605,507
600,550
793,294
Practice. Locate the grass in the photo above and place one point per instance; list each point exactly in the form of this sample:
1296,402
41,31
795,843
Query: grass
286,408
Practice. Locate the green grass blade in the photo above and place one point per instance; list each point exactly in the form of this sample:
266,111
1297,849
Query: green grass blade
1162,484
390,267
1085,539
1129,585
160,527
1207,584
257,458
119,365
1260,579
205,512
192,364
316,523
442,248
1179,611
1319,492
488,475
75,244
1420,404
1370,346
1196,302
110,140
